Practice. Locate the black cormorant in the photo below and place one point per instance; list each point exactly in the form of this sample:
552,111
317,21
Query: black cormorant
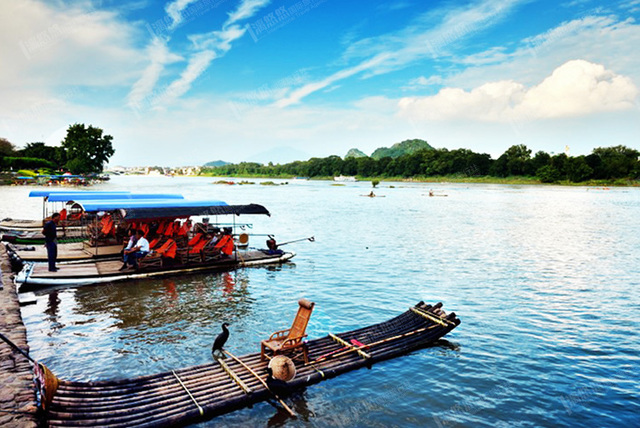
221,339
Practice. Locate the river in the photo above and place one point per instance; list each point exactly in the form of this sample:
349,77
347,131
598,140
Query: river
544,278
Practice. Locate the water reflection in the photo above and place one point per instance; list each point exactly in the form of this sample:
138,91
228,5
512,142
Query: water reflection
194,300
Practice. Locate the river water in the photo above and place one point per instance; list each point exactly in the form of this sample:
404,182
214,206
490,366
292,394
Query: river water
545,280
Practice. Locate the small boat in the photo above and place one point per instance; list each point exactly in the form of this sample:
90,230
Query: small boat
348,178
196,394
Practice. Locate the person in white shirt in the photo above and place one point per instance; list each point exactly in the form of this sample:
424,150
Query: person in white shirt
141,249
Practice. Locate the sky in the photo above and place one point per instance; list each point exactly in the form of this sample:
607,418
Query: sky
184,82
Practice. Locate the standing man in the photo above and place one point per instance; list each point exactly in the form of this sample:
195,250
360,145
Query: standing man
51,240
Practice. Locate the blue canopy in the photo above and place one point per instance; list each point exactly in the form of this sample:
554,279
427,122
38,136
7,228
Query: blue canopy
114,204
95,196
169,208
46,193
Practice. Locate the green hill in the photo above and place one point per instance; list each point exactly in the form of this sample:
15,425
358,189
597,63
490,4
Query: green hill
355,153
399,149
216,163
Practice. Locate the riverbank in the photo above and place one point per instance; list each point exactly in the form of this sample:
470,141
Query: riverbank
512,180
17,397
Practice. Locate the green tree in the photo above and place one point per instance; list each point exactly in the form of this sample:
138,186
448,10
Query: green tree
578,170
87,150
616,162
6,148
548,174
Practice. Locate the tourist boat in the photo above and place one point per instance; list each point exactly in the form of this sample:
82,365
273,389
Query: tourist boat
196,394
73,222
177,248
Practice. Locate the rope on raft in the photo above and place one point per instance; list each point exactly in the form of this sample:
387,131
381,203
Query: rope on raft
188,392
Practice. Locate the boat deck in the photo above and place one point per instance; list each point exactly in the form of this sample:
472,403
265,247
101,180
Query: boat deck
36,275
66,252
194,394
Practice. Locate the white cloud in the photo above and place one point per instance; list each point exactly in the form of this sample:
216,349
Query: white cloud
598,39
576,88
396,50
198,63
174,10
210,46
159,55
247,9
69,45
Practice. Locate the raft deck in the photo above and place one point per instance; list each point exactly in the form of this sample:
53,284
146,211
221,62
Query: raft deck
199,393
73,251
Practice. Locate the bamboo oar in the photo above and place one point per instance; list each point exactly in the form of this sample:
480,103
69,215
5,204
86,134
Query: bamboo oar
291,412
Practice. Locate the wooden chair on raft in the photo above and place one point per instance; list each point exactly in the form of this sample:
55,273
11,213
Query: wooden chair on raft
159,256
291,339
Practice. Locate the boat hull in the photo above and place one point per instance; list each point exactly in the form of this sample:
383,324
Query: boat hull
35,275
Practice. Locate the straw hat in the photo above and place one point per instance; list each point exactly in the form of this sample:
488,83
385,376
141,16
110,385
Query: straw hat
282,368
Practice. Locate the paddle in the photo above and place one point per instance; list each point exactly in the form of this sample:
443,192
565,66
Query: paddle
310,239
14,346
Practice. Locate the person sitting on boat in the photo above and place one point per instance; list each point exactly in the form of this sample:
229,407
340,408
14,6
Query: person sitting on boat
139,251
133,239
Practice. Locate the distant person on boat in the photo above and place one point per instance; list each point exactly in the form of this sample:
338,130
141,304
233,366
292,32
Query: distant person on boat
51,240
141,249
431,192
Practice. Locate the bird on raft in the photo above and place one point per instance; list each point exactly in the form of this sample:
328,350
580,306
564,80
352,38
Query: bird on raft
221,339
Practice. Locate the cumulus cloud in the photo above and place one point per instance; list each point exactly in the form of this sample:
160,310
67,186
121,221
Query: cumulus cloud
576,88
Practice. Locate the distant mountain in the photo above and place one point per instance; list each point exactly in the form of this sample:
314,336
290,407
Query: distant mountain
217,163
355,153
399,149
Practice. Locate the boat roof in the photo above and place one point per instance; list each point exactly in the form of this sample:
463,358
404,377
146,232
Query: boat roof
168,208
107,196
46,193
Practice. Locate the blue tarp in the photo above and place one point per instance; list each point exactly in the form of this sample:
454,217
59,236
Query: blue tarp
95,196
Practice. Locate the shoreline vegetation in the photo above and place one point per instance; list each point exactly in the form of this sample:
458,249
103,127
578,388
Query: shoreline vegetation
415,160
513,180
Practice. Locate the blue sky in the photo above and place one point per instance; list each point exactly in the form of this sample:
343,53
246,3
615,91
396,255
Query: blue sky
182,82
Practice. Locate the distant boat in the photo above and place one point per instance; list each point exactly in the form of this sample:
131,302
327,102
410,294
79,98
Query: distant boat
300,179
349,178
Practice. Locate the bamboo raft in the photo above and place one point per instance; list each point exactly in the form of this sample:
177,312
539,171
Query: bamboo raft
199,393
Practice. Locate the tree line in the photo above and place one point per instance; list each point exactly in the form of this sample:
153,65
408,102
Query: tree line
83,151
604,163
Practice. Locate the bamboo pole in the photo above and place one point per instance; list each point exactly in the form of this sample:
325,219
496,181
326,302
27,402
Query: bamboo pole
291,412
187,390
